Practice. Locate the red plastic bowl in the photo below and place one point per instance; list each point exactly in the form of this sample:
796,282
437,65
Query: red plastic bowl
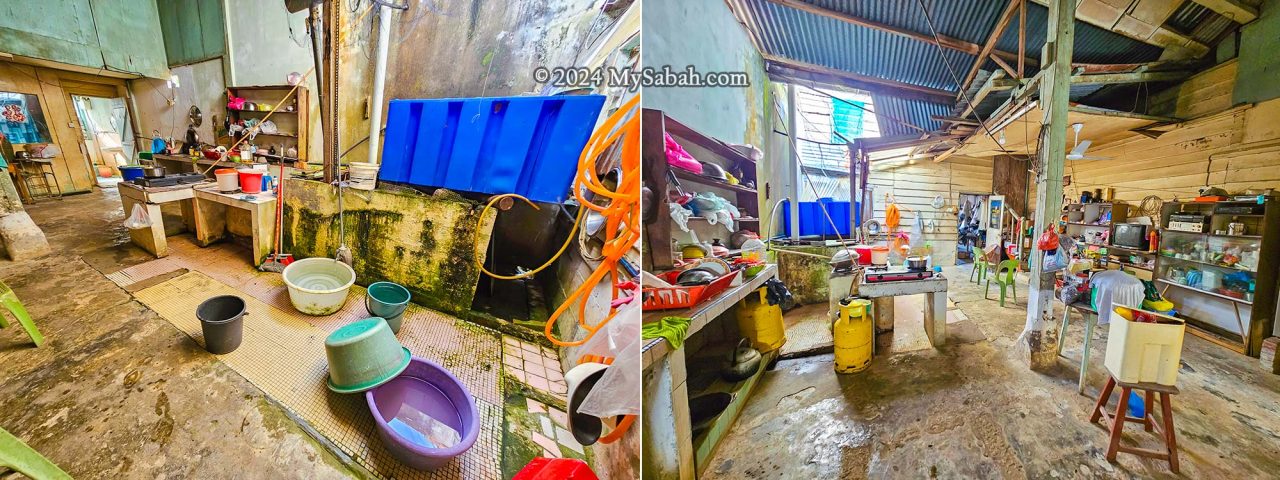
432,390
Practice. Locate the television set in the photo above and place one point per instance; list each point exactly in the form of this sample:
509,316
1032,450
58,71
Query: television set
1130,235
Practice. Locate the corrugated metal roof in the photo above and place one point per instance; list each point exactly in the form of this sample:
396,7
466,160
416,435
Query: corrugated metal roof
819,40
1092,44
915,112
1200,23
811,38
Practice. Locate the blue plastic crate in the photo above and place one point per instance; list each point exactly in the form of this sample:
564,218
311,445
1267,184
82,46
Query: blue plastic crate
524,145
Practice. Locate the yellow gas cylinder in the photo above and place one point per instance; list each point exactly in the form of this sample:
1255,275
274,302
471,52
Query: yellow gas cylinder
853,335
761,322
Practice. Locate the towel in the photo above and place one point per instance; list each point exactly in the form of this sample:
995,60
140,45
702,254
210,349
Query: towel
670,328
1115,287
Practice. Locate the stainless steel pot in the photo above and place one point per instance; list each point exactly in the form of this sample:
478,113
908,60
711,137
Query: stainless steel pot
917,263
153,172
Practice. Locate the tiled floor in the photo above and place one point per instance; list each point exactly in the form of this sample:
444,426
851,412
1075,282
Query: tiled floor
553,431
534,365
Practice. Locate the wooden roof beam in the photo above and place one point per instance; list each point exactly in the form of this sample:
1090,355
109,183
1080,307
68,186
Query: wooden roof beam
1136,77
943,41
1006,17
861,82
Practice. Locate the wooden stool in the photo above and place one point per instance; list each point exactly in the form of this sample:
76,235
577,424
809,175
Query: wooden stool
1115,423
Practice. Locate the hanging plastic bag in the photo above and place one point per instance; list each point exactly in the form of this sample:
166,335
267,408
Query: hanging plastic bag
138,218
1056,260
680,215
618,391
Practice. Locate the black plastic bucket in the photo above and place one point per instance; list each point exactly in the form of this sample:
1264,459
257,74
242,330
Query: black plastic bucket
222,321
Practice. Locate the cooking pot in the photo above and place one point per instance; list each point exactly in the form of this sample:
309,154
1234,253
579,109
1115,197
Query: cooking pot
704,409
153,172
695,276
842,260
743,362
917,263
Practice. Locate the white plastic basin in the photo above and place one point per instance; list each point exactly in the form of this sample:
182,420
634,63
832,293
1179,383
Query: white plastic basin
318,286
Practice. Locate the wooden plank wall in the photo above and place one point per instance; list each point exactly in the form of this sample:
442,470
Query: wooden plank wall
915,186
1234,147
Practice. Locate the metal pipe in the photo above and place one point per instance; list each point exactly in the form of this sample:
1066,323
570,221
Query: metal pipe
379,78
769,220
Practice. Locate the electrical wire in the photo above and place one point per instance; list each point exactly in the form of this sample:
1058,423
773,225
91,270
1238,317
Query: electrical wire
956,78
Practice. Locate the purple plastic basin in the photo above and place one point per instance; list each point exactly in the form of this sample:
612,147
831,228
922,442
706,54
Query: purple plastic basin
427,388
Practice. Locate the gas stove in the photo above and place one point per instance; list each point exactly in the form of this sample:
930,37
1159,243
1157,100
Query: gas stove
885,273
170,180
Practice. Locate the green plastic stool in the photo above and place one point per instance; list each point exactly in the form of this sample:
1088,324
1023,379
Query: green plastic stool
17,456
11,302
1005,282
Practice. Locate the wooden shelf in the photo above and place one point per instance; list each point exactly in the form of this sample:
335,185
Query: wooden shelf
286,135
1206,292
677,129
1082,224
699,179
1130,249
264,112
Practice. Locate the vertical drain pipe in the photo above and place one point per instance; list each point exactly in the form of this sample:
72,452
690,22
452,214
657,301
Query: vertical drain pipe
379,78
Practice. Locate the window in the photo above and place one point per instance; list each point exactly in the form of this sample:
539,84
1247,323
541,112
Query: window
825,120
22,119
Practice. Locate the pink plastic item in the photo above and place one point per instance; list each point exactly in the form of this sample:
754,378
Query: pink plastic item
679,158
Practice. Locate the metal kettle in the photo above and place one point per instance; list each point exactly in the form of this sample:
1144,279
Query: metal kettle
743,362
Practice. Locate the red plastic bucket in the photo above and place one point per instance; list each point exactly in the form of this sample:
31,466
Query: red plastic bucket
250,181
864,254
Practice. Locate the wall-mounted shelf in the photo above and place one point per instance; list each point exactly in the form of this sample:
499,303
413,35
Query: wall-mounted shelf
293,126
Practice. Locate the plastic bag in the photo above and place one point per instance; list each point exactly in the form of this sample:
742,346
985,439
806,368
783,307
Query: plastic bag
423,429
138,218
618,391
1056,260
678,157
680,215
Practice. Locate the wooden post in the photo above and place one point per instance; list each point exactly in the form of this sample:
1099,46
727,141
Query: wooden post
1041,334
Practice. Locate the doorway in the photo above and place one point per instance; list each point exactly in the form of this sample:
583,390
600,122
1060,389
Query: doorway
106,135
970,227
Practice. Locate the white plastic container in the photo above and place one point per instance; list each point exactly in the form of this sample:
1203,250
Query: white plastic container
879,255
1139,352
364,175
228,182
318,286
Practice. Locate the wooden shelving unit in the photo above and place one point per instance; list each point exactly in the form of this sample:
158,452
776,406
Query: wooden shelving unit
293,125
1244,315
656,125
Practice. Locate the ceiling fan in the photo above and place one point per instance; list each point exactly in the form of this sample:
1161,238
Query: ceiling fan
1077,153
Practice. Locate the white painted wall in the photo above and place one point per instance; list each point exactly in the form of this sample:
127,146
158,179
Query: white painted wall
200,84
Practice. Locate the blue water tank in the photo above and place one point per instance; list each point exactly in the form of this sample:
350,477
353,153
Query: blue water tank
525,145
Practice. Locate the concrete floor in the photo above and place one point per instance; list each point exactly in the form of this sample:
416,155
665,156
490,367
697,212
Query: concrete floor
118,392
974,410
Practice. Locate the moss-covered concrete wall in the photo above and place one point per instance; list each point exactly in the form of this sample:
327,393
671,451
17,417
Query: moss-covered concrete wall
806,276
429,244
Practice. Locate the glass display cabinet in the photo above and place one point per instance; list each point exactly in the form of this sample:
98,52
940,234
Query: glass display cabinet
1210,264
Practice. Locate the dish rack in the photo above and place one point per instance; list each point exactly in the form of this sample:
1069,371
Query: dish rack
668,298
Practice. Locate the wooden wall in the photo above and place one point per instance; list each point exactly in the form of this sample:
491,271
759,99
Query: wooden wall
1234,147
54,89
916,185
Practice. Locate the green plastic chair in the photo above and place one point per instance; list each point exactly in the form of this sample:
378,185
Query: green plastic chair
11,302
979,265
17,456
1005,281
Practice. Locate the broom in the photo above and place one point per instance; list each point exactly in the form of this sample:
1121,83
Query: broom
277,261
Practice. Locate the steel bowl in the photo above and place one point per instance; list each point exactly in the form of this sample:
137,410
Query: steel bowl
153,172
917,263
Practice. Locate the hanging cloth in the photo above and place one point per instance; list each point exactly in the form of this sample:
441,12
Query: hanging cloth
892,217
1115,287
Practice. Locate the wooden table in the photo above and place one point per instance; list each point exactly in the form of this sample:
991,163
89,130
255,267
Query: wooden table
1090,317
211,210
703,313
935,306
150,198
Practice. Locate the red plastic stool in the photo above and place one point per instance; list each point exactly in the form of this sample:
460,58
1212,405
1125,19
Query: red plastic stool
556,469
